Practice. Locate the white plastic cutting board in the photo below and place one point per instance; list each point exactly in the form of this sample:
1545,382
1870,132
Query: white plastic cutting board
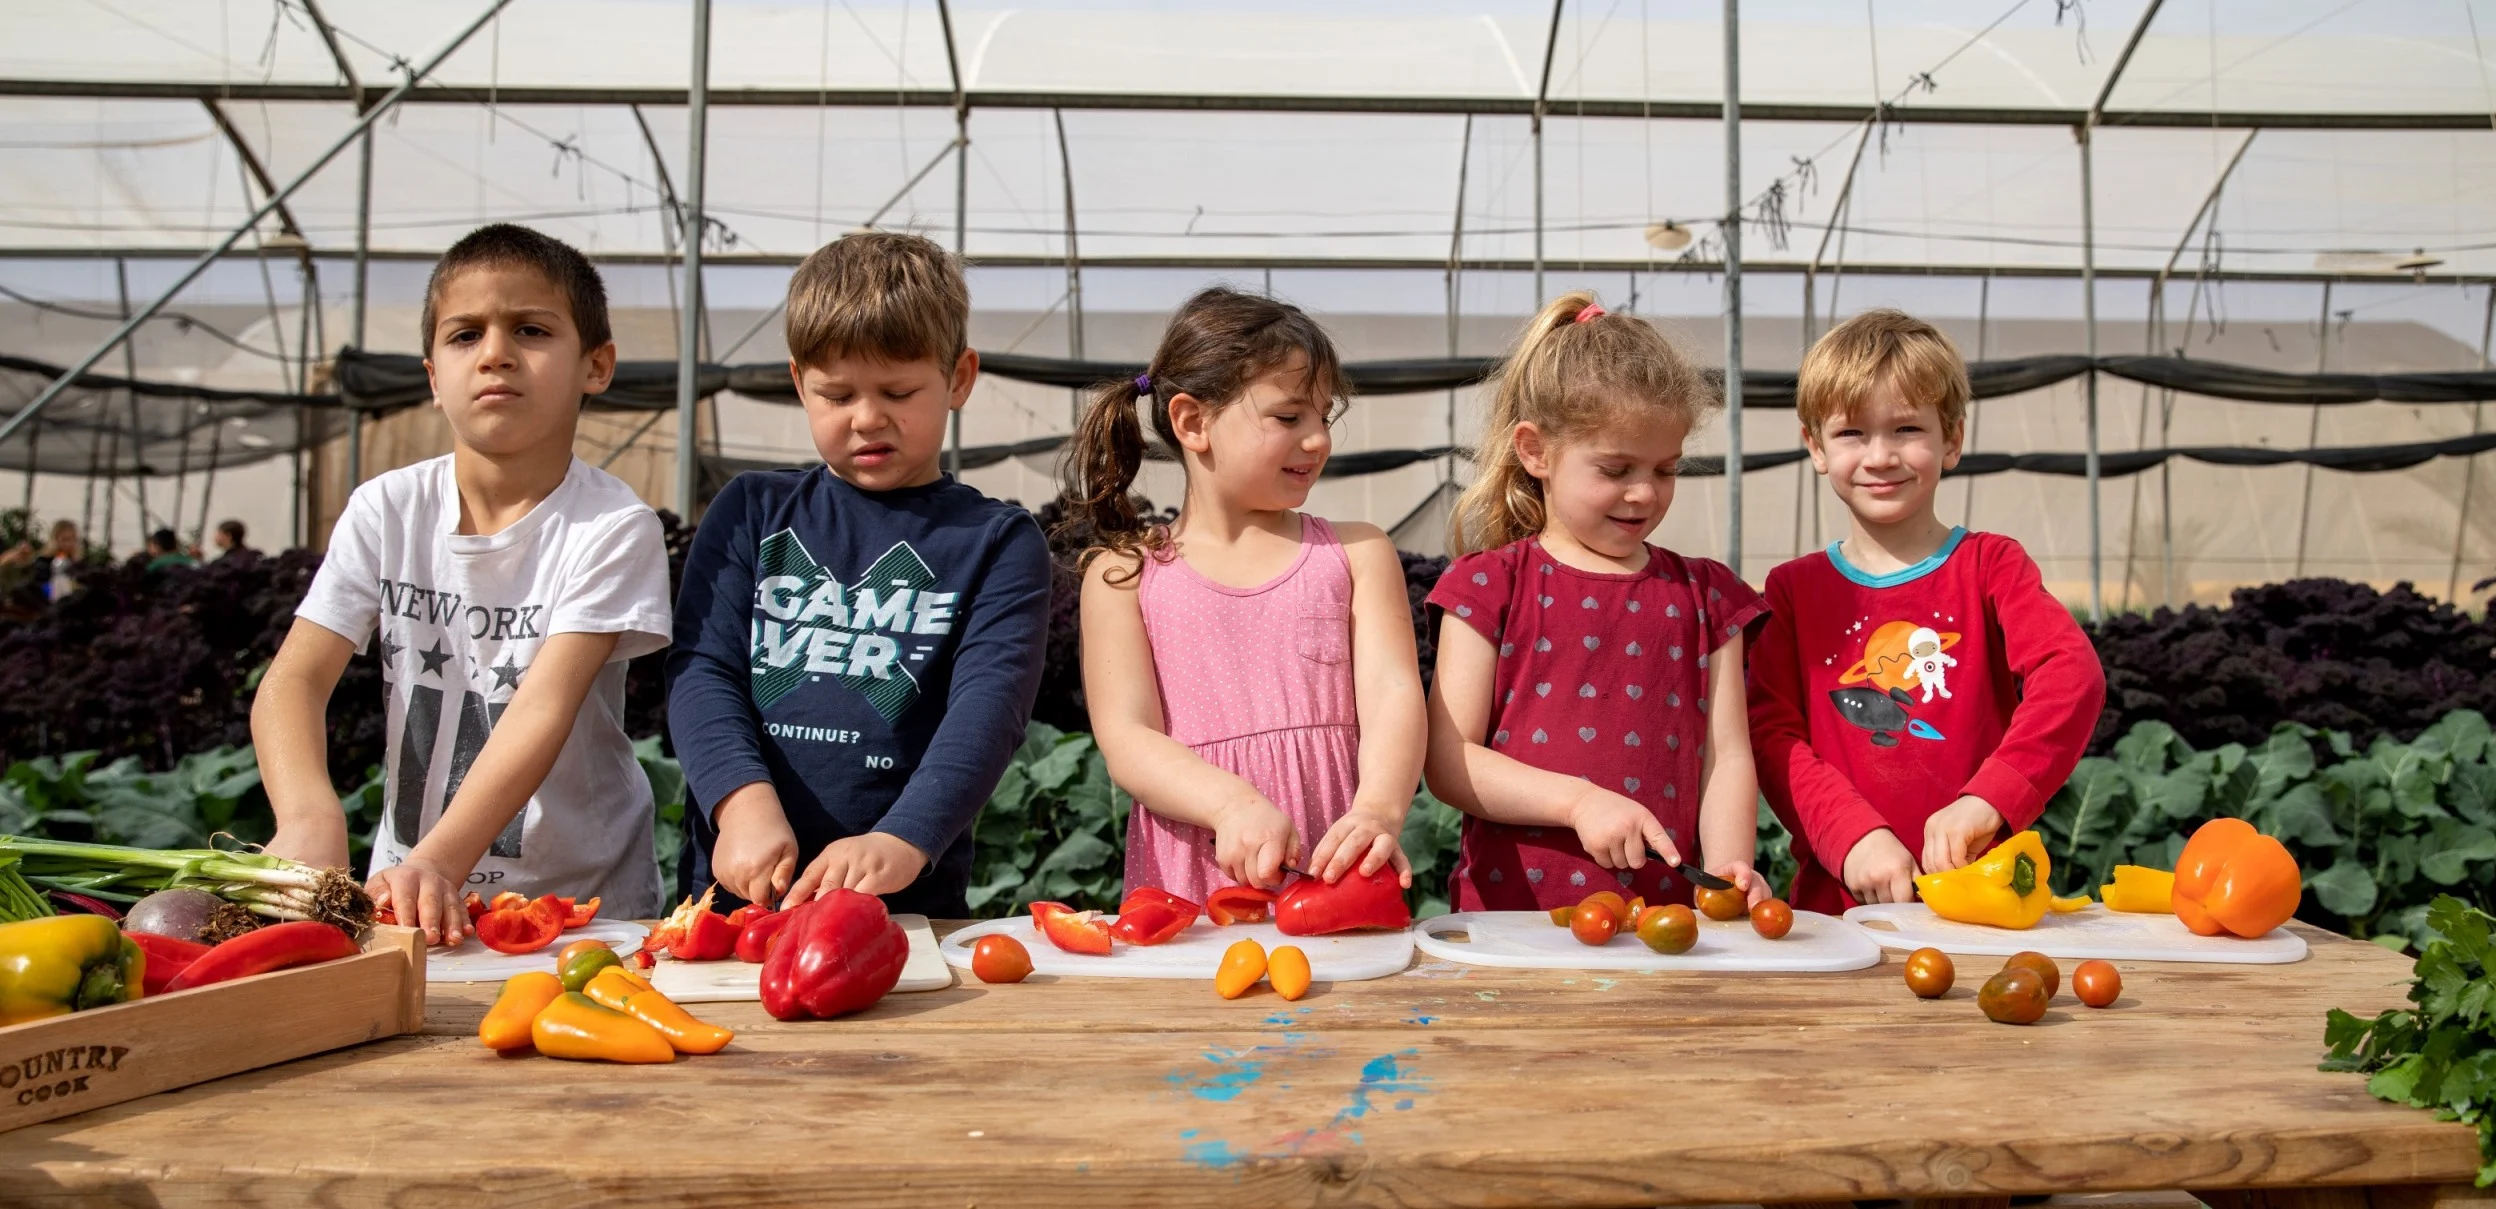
2093,931
1529,940
1197,952
473,962
732,980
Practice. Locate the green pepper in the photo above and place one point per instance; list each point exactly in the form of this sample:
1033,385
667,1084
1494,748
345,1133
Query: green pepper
68,963
576,969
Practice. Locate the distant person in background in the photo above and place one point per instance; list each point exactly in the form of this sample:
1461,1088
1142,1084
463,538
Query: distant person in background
164,550
67,553
229,541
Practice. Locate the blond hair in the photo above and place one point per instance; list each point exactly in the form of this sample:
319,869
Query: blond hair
1845,366
882,294
1569,375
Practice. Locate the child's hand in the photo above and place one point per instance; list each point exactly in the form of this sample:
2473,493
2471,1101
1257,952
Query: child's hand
311,842
1879,870
1754,888
756,853
874,863
423,897
1959,832
1252,841
1616,831
1362,839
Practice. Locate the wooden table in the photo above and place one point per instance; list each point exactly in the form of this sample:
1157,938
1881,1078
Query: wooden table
1444,1085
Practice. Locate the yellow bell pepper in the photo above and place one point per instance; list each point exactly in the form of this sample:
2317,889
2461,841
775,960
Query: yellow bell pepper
64,964
2140,889
2005,888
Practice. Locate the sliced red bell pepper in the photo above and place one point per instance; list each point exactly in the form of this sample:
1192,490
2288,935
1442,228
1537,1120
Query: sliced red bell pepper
580,913
167,957
1310,907
475,907
754,939
1158,895
276,947
694,932
834,955
748,914
525,929
1239,905
1151,915
1074,931
508,901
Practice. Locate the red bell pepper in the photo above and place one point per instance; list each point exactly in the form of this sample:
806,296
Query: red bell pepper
167,957
1151,916
835,955
694,932
576,912
1239,905
276,947
1074,931
754,939
508,901
475,907
748,914
1310,907
524,929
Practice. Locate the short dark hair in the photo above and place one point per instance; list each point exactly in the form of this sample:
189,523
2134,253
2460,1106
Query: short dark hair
165,539
233,531
884,294
506,245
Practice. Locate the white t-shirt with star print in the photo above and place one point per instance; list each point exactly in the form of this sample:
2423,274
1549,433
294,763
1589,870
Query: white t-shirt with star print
460,618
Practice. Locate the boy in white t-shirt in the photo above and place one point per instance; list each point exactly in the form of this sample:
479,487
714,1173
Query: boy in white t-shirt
510,582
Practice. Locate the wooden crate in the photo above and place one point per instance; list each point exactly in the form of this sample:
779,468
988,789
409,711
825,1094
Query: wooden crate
68,1064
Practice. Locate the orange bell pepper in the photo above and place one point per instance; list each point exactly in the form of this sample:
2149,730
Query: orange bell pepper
2234,879
1242,965
1288,969
506,1025
576,1026
686,1034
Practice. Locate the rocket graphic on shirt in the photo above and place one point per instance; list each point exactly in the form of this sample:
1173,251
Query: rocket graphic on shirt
1899,659
865,634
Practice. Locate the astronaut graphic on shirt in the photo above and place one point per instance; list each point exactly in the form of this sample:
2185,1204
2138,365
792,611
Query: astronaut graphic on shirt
1925,663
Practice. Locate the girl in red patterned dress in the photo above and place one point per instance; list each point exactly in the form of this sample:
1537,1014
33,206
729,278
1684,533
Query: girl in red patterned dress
1587,710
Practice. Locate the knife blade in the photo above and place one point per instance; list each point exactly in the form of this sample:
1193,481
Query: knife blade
1697,876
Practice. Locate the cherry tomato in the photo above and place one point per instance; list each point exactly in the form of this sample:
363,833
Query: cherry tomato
1772,918
1721,904
2046,970
1560,916
1593,924
2017,995
579,946
2096,983
1000,959
1668,929
1929,973
1613,903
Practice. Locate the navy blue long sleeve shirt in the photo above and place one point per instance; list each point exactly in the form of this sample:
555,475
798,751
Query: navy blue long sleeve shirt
873,655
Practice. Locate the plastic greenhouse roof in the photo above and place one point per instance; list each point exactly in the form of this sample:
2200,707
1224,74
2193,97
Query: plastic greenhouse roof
101,116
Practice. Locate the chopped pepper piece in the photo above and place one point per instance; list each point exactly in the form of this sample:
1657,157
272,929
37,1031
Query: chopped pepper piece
2140,889
2004,888
1152,916
1074,931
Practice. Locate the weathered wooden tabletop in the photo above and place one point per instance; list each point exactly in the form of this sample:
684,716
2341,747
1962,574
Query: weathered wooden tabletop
1444,1085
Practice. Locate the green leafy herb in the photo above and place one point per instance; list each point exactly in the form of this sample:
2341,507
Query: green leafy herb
2442,1054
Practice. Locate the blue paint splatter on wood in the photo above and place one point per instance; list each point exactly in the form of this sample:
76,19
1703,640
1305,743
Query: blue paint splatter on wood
1216,1154
1385,1075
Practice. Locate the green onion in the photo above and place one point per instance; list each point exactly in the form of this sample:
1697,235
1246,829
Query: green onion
18,900
268,886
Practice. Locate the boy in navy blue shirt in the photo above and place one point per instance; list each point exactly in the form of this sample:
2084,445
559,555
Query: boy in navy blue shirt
858,643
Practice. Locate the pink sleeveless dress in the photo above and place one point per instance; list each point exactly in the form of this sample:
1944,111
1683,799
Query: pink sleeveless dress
1258,682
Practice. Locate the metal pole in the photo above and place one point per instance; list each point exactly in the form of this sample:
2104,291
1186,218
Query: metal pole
130,369
1984,351
1074,272
1733,285
1542,96
1455,289
2088,303
2313,427
267,207
689,245
2469,465
363,265
961,252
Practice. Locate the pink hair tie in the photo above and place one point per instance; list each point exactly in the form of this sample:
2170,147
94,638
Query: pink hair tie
1593,311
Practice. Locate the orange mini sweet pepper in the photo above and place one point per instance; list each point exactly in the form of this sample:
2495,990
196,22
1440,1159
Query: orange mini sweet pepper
686,1034
506,1025
576,1026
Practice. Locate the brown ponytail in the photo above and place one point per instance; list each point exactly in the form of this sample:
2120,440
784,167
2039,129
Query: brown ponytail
1570,373
1217,343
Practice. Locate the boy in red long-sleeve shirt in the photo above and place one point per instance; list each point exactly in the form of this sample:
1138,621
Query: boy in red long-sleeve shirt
1916,694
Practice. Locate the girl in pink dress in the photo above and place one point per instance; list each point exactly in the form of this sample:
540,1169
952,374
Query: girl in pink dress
1587,708
1250,669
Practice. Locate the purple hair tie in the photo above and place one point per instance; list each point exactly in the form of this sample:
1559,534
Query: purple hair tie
1143,384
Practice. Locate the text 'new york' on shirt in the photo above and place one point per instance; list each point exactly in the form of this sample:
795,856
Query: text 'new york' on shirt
461,617
872,655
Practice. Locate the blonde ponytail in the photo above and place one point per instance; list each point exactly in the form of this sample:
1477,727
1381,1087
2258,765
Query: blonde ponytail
1574,367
